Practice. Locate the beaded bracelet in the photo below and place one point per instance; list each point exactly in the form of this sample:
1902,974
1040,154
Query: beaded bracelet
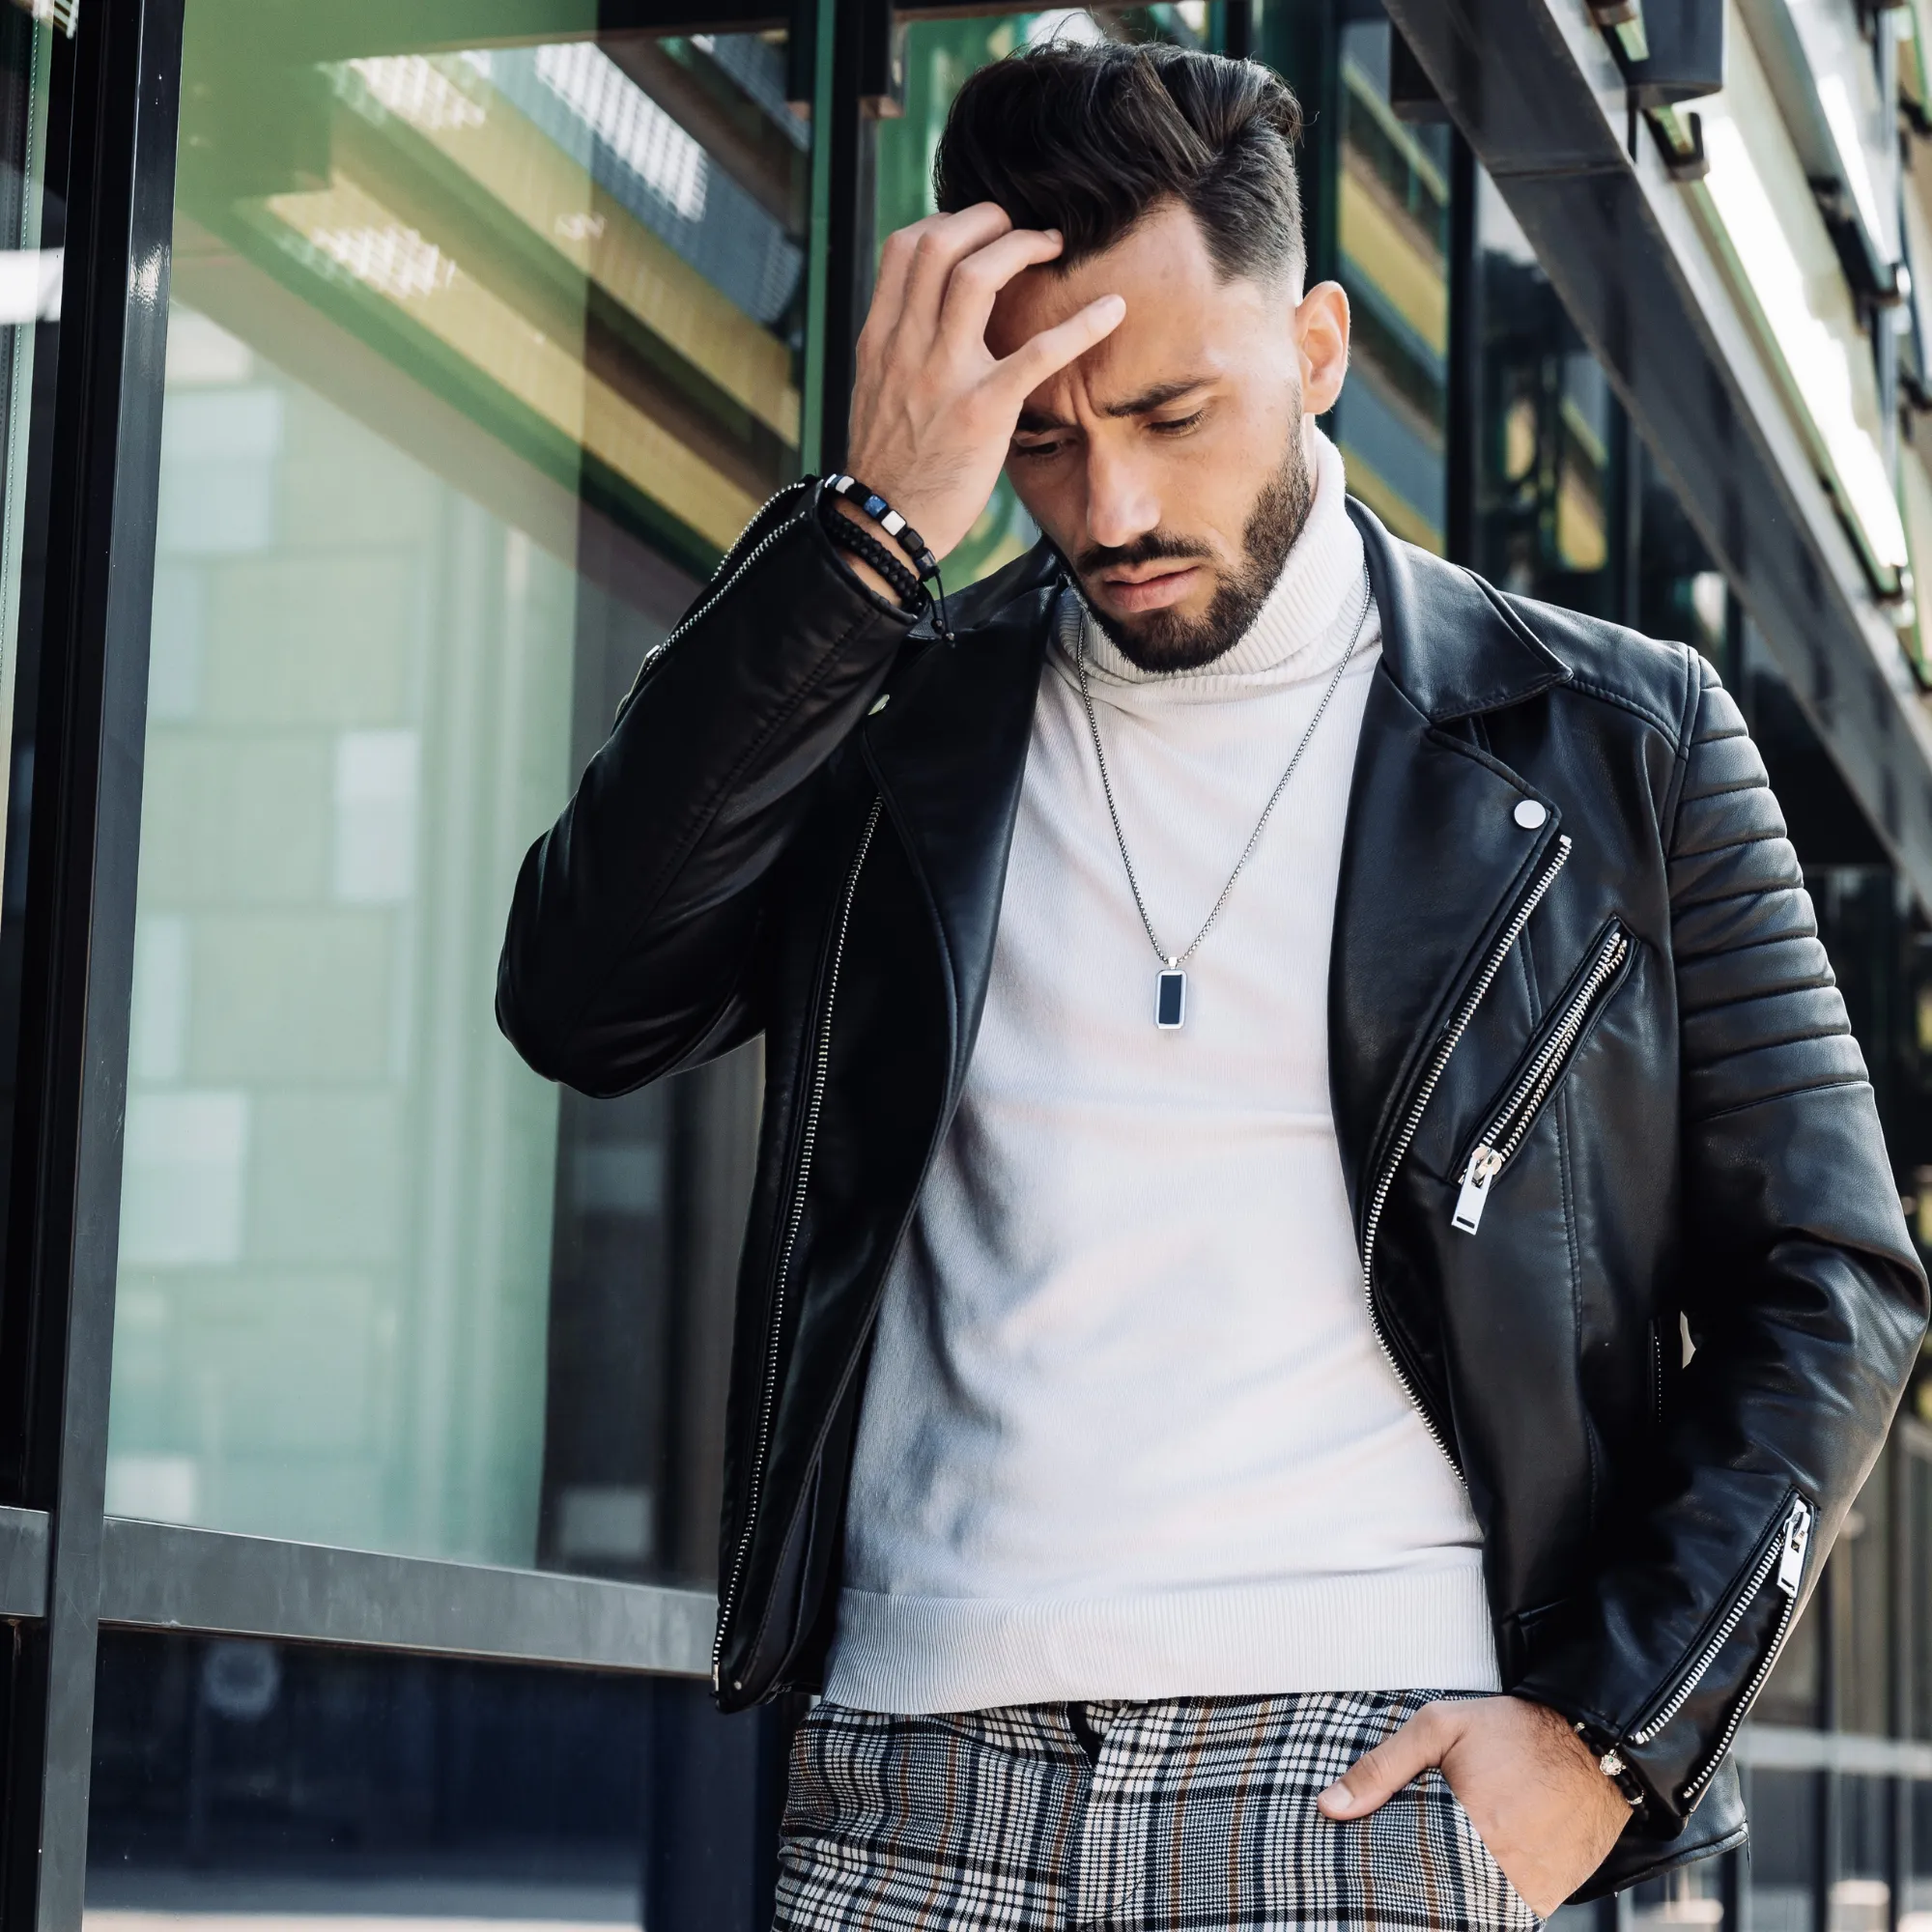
925,564
863,544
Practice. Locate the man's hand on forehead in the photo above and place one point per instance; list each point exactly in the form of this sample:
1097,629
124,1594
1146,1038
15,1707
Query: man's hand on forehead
933,409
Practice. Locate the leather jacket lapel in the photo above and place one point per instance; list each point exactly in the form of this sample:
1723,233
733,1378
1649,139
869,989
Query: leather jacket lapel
1433,860
1433,857
948,752
1433,864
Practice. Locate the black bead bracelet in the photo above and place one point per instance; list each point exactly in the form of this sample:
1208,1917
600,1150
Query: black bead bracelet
925,564
863,544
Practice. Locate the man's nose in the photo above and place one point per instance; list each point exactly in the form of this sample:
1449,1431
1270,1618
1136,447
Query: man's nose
1122,504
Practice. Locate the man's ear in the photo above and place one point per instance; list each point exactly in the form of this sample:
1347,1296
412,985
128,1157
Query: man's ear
1321,336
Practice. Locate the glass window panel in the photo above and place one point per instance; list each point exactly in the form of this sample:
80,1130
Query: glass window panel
1859,1577
1392,220
1681,593
482,352
1915,1914
1784,1845
939,54
240,1786
1552,440
1691,1897
1913,1445
1860,1897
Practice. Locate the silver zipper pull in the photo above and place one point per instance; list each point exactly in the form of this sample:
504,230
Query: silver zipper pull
1485,1164
1796,1540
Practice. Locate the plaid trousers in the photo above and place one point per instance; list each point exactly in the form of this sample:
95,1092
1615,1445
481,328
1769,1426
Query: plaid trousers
1193,1814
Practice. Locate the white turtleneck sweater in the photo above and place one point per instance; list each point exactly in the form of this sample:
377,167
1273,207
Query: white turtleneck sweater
1128,1431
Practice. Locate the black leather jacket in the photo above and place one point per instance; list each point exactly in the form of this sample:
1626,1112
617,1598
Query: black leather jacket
1617,1010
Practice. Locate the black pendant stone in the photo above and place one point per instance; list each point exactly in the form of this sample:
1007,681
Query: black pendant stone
1170,998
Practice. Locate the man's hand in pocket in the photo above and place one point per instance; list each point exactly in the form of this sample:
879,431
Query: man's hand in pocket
1531,1786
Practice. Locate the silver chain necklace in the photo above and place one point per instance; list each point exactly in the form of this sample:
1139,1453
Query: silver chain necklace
1170,986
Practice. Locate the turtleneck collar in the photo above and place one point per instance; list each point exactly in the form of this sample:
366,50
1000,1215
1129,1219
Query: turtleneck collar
1306,620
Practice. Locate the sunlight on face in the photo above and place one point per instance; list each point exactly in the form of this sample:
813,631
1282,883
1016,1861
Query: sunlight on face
1171,465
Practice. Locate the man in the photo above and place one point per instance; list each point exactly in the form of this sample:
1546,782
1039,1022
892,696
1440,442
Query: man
1275,1054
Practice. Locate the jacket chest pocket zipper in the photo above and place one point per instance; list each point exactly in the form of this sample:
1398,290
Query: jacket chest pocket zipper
1509,1126
1784,1563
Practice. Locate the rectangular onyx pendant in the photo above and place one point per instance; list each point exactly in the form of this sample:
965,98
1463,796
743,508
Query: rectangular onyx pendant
1170,998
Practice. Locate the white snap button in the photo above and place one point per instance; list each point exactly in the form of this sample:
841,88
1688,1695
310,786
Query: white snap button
1530,813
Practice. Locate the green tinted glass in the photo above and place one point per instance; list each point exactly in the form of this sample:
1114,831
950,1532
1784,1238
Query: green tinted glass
484,345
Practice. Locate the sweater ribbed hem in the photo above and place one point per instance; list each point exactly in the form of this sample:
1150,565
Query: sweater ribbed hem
1399,1631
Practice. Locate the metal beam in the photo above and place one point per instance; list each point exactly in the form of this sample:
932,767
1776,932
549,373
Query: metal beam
1780,1748
86,832
1536,93
158,1576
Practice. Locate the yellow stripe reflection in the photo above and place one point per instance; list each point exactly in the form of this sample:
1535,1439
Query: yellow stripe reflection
349,228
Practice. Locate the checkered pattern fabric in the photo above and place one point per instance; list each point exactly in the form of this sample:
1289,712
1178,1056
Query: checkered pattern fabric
1194,1814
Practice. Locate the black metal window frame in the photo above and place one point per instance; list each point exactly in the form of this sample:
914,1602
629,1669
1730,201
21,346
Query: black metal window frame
67,1569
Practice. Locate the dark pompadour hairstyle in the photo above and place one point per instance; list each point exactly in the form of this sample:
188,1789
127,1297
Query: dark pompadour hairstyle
1087,138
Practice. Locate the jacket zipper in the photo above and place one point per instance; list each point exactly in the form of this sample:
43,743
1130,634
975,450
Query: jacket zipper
729,571
1497,1146
806,1144
1432,1077
1785,1557
1657,1370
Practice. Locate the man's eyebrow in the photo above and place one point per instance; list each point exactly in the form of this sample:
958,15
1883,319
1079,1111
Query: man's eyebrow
1033,422
1157,397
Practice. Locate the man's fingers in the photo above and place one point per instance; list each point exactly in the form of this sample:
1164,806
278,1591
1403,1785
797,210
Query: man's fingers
889,285
979,276
944,240
1052,349
1375,1778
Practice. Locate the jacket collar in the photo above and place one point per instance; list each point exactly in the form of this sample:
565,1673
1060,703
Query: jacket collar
949,752
1451,645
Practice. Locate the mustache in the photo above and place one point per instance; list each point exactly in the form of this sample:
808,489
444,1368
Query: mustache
1143,549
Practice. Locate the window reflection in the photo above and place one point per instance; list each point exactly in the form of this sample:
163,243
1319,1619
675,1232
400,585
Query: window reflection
1393,222
1783,1874
481,353
1551,451
1861,1893
1691,1897
1860,1578
239,1786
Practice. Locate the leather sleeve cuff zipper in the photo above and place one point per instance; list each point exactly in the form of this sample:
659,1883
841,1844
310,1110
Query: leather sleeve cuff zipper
1783,1566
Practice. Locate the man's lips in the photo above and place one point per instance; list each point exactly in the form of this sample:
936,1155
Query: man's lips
1169,584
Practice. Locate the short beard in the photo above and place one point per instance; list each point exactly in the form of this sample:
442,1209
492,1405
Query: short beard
1163,640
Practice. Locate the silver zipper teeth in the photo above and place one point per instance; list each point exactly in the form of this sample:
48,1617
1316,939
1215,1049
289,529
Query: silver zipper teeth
1725,1631
1742,1709
806,1144
1379,1198
703,609
1535,1085
1656,1373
